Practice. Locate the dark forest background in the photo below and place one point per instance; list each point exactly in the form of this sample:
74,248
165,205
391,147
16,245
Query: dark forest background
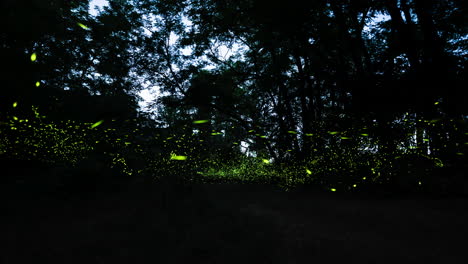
342,95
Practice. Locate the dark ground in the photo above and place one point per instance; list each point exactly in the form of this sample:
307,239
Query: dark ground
232,224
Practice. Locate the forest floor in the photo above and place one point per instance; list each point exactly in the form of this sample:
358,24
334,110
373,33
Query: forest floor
232,224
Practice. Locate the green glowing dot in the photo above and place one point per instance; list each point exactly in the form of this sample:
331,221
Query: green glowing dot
308,171
201,121
436,103
38,84
15,104
97,123
333,189
266,161
365,135
345,138
419,183
426,140
82,26
309,135
15,118
333,132
292,132
460,154
250,131
363,178
354,185
33,57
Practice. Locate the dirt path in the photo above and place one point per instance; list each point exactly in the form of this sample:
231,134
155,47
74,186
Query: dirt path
233,224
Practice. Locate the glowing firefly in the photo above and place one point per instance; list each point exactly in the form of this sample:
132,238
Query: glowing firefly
176,157
82,26
201,121
97,123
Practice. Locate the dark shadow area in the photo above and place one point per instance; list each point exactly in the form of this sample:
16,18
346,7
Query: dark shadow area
231,224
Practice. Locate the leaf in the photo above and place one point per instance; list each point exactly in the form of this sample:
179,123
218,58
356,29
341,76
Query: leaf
97,123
